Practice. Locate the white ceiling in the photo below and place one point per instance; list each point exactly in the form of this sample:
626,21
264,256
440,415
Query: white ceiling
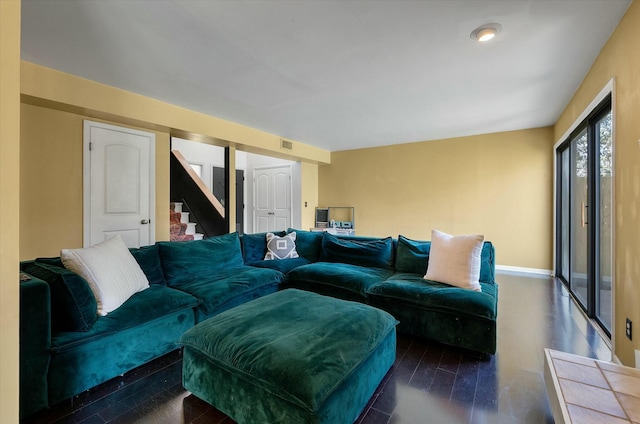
334,74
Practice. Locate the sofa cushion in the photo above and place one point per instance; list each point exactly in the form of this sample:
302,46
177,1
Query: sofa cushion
254,246
455,260
308,243
345,281
184,262
412,255
377,253
148,257
73,305
145,306
409,288
110,269
281,247
230,287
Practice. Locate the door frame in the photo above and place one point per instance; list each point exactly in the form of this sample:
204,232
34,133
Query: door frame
240,200
607,90
254,191
86,176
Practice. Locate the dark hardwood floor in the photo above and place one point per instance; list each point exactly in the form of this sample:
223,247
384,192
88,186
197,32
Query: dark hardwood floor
429,382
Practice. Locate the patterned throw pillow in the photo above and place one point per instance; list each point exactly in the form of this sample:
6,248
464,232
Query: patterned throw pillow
281,247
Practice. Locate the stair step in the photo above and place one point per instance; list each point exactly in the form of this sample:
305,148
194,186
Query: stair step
176,206
182,237
177,229
191,228
184,217
175,217
198,236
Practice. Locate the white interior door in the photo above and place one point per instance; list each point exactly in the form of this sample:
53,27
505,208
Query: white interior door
281,198
119,194
272,199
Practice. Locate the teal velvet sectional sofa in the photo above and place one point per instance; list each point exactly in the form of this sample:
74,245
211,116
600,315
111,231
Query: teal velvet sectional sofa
66,348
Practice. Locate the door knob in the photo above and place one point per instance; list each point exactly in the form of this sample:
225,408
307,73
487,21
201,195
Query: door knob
144,221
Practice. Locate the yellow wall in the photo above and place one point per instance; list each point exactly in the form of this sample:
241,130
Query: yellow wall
9,208
499,185
620,60
163,153
51,182
309,187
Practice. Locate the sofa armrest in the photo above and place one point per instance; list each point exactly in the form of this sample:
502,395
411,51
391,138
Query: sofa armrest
488,263
35,344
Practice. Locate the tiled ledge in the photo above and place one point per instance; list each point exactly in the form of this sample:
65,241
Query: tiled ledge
584,390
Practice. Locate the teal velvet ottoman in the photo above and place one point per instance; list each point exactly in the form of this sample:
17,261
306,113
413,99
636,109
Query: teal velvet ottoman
290,357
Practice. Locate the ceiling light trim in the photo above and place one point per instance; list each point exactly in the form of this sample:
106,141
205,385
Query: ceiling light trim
486,32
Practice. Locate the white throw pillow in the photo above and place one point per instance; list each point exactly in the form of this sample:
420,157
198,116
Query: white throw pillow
281,247
111,271
455,260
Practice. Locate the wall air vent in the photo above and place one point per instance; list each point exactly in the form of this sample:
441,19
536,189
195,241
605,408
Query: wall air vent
286,144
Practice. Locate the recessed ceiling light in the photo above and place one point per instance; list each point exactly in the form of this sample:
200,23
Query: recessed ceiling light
485,32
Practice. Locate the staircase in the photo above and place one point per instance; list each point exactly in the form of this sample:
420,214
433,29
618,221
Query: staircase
180,228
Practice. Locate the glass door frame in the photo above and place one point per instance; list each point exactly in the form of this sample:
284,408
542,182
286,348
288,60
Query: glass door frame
591,308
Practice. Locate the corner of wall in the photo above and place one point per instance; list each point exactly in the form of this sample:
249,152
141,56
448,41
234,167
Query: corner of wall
9,211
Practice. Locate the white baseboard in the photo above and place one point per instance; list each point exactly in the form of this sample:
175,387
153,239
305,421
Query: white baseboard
615,359
521,270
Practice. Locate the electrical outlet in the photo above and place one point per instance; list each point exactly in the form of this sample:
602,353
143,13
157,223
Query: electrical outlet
628,329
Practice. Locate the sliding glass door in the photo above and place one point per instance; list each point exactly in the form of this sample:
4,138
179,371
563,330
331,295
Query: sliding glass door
579,187
584,206
604,279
